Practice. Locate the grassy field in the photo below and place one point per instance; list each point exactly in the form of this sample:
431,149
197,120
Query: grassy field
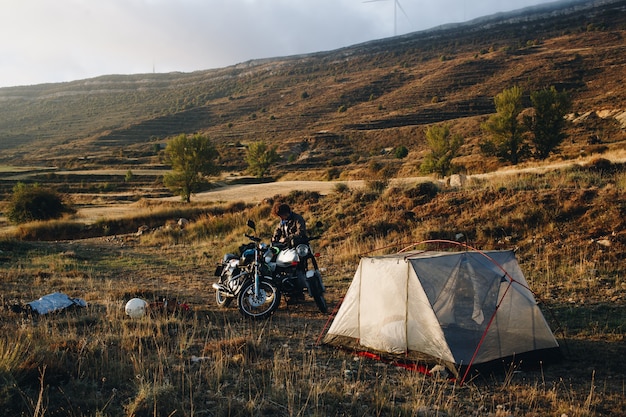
205,361
333,115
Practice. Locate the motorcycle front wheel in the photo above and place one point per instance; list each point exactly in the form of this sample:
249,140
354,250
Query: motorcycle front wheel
260,307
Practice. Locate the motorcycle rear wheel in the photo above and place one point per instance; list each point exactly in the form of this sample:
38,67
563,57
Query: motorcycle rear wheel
222,300
261,307
318,293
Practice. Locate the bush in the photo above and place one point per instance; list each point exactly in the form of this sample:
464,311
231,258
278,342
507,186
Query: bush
422,192
341,188
31,202
377,186
401,152
333,173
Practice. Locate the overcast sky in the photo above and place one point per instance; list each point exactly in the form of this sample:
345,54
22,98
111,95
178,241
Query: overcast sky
63,40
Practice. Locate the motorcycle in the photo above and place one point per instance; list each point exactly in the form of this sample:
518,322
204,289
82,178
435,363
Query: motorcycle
281,270
289,267
247,279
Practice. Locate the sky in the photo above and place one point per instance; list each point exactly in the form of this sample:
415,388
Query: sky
44,41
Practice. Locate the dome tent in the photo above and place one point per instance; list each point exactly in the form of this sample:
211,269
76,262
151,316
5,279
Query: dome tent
456,308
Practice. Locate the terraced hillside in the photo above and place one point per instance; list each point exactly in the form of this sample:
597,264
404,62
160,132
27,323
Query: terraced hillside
340,107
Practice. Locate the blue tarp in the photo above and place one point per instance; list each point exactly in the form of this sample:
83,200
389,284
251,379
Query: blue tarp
55,302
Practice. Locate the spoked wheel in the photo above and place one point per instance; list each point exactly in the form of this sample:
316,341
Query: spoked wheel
222,299
260,307
317,291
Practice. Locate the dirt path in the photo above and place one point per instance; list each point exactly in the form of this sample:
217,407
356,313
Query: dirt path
253,193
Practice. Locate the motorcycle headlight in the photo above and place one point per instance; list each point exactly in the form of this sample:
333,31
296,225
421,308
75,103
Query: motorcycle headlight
302,250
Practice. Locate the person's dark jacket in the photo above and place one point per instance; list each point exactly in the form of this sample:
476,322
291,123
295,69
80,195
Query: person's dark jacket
291,231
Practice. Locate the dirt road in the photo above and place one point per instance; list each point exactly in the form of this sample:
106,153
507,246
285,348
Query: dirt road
252,193
248,193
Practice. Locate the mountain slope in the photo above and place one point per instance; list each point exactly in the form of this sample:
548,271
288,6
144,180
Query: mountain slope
335,107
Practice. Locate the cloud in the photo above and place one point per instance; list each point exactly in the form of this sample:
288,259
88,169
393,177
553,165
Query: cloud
74,39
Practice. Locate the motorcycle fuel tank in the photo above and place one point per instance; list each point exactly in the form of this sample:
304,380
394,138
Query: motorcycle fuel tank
287,257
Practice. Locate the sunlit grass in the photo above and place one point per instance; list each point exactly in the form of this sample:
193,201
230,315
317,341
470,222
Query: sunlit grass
212,362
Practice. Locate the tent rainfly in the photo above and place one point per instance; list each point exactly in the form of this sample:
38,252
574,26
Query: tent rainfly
456,308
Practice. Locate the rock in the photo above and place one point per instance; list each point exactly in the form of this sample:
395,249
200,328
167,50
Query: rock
457,180
439,372
604,242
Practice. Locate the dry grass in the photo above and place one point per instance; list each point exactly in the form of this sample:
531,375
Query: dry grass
567,227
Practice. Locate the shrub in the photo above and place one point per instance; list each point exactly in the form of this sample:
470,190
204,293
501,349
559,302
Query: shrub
401,152
333,173
377,185
341,188
422,192
32,202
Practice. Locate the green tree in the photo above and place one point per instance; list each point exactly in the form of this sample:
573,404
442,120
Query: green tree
260,158
192,158
32,202
505,129
548,122
443,148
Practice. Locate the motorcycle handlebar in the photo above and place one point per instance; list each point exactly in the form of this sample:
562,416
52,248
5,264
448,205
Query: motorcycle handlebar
252,238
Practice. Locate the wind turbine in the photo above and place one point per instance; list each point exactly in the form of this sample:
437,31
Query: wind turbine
396,6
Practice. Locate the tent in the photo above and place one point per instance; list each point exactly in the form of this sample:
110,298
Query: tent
456,308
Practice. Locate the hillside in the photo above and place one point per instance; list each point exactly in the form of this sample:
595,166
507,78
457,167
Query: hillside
339,107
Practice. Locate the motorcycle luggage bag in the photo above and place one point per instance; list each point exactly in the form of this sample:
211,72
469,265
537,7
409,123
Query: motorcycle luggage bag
220,266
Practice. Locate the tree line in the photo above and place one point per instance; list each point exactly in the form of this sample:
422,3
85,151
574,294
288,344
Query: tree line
510,135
